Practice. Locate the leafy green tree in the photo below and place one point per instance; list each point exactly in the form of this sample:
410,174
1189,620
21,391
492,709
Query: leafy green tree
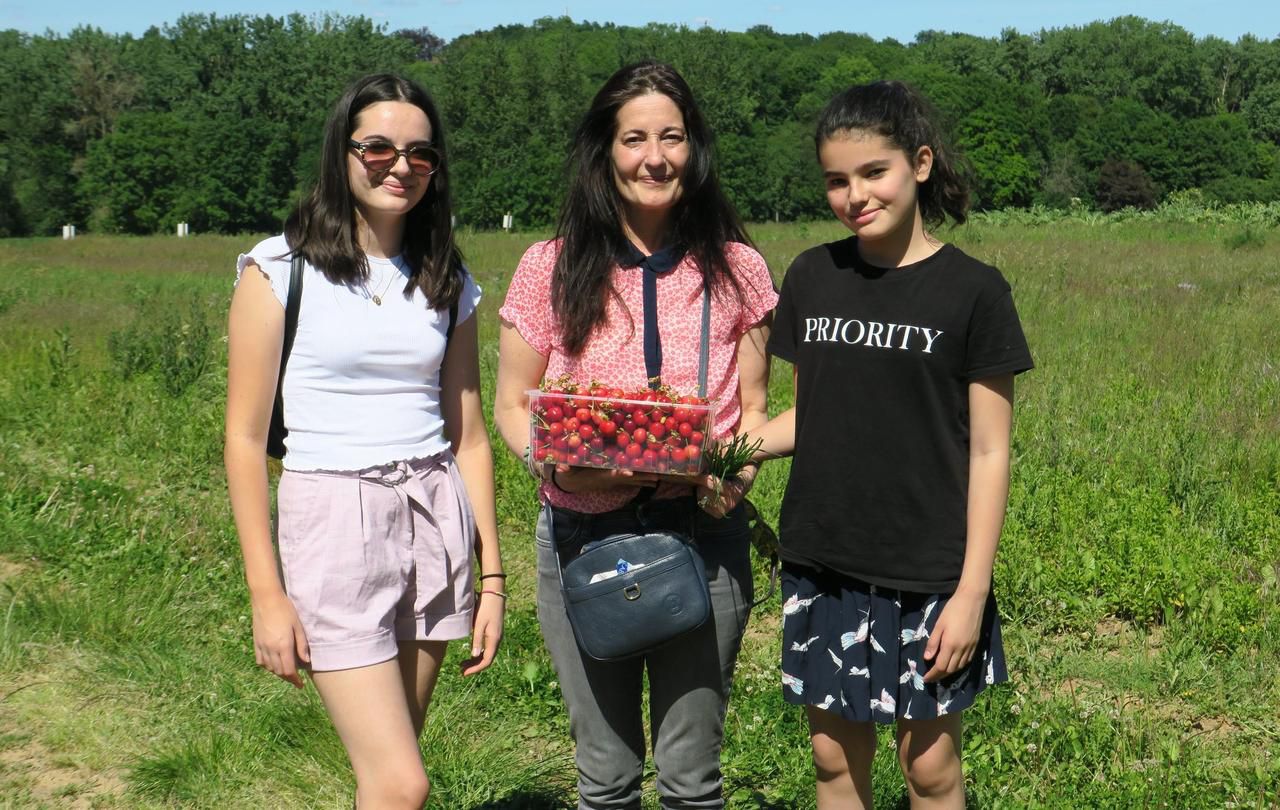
100,87
426,45
1127,57
792,175
134,173
996,141
1214,148
1262,112
848,70
35,142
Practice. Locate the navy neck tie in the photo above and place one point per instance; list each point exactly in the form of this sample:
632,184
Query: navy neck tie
659,262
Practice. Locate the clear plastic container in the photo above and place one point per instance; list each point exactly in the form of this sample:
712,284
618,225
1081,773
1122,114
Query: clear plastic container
644,431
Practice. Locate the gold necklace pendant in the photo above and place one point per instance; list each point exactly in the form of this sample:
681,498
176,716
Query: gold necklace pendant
376,298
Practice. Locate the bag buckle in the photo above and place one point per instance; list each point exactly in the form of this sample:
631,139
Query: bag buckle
632,592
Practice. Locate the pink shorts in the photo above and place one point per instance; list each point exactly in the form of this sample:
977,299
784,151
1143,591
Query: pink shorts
376,556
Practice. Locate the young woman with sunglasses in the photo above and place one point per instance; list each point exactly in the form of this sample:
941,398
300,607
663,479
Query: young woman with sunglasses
644,236
387,488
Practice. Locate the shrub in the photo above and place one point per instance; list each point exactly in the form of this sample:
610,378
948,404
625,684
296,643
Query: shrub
175,346
1122,184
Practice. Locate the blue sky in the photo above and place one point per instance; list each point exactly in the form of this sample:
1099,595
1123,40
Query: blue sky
1228,19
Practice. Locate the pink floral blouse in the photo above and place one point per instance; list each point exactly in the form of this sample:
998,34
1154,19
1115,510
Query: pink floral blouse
615,354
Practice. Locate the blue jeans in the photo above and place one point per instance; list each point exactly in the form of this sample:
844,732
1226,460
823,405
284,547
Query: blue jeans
689,678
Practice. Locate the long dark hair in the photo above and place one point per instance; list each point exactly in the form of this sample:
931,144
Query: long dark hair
590,227
906,119
323,228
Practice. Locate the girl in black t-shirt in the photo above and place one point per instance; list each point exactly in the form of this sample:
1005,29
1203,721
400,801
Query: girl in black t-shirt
905,350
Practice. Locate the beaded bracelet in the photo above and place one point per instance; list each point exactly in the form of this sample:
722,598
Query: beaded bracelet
495,593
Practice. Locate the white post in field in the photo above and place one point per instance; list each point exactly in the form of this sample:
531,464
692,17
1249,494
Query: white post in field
183,229
507,221
68,232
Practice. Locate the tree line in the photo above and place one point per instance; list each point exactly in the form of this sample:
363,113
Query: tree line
216,120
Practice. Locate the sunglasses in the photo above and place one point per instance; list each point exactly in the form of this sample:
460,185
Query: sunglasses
380,156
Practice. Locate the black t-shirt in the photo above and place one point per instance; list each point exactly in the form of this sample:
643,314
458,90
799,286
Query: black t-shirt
879,482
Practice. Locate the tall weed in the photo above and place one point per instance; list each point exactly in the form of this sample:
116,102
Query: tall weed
175,344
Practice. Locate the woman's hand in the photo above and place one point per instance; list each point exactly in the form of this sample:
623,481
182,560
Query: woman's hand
591,479
718,497
486,630
279,642
955,635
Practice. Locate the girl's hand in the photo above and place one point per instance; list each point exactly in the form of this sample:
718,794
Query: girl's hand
486,631
719,497
590,479
279,642
955,636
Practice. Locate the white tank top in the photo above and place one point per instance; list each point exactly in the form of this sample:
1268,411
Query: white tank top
362,387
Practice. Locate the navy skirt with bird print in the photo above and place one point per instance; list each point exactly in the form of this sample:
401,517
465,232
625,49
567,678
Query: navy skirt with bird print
855,649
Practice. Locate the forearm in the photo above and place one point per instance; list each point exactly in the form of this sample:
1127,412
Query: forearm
520,368
512,422
988,498
777,436
475,465
251,507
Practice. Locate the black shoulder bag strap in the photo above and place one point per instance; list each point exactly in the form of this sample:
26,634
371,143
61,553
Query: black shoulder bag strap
453,321
277,431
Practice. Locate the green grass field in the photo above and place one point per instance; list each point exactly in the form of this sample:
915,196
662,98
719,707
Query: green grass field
1137,576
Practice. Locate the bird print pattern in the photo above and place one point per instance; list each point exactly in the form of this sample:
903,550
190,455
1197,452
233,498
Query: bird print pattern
858,650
